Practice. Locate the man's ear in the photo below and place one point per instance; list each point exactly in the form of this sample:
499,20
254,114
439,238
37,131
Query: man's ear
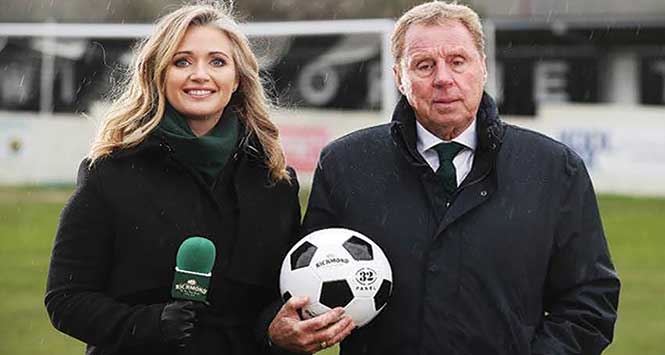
398,78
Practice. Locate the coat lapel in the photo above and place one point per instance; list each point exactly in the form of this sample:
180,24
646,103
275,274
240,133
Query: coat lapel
480,185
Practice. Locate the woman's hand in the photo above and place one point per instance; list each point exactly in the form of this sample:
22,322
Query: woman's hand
289,332
177,321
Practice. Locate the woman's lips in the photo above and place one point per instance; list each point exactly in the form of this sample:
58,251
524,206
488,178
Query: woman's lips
199,93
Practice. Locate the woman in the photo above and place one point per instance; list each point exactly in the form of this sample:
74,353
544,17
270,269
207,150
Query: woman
186,150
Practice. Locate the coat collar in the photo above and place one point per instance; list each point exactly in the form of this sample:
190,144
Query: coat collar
154,143
489,129
480,184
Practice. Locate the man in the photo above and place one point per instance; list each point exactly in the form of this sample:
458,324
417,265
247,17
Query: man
492,231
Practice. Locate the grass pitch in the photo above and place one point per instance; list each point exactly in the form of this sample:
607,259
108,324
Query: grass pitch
28,218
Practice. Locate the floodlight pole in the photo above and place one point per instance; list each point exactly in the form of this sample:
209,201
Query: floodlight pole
47,71
490,60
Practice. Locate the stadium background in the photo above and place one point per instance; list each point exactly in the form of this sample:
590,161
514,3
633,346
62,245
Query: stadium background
588,73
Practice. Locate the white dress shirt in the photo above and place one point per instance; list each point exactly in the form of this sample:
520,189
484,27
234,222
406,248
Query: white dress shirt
463,161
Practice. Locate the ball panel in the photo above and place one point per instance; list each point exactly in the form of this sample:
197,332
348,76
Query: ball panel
301,282
361,310
286,296
359,249
335,293
381,297
302,256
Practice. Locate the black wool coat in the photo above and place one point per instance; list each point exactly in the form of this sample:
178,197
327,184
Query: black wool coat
516,264
113,259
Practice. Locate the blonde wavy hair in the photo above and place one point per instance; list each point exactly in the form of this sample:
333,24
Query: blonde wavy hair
434,13
139,108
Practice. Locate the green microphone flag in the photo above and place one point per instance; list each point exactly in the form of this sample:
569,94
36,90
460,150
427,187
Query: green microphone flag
194,262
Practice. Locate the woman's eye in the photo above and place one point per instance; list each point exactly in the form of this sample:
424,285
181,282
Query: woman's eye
218,62
181,63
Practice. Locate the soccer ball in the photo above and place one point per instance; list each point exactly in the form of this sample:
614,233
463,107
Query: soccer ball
337,267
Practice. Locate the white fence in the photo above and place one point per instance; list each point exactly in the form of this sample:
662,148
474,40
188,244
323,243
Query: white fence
623,146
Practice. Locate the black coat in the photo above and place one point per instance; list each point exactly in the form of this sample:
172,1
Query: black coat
517,264
114,254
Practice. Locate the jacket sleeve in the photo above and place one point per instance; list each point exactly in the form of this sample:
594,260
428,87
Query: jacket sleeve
293,232
582,287
320,208
81,261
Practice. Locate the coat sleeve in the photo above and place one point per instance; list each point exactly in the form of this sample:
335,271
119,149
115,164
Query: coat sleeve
293,232
81,261
582,287
320,208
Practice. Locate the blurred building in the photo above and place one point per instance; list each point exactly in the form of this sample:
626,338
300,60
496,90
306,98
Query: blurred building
583,51
528,8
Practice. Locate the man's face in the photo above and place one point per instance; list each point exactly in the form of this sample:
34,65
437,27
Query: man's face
442,74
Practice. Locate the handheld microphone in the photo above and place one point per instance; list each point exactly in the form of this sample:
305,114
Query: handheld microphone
194,262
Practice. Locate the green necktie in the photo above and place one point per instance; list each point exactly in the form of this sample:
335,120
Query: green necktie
446,171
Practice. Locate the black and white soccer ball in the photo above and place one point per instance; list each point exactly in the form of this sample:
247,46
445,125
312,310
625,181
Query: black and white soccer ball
338,267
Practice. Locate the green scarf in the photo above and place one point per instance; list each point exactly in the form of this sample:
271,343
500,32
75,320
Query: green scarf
207,154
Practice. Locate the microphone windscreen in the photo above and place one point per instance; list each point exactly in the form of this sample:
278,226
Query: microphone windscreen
196,254
194,262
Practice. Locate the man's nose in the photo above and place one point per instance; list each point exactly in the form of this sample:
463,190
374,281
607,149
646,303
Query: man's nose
443,75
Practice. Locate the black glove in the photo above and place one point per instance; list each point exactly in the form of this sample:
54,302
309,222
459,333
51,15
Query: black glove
177,321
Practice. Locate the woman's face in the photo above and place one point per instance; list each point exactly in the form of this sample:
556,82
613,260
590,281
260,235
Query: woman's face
202,77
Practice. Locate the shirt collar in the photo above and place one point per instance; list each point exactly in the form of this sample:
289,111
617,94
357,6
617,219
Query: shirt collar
426,140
